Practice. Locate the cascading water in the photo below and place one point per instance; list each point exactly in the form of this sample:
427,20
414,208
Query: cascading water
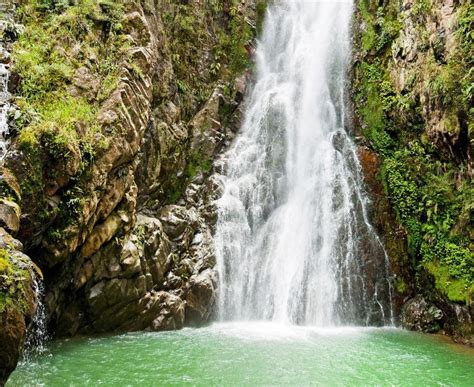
5,9
37,334
293,240
4,106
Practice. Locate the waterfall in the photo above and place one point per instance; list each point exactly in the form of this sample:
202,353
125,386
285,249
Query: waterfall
293,239
4,106
5,13
37,333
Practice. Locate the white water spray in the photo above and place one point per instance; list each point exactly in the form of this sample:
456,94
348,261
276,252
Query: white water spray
4,106
37,334
293,240
5,13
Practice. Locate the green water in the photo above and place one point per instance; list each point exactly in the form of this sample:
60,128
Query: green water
252,354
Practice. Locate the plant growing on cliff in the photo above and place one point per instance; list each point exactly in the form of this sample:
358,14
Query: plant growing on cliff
12,278
427,190
46,67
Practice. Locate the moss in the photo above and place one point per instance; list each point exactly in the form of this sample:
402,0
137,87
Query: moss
176,185
4,261
400,286
12,278
222,28
196,163
430,194
381,26
457,290
376,99
60,121
57,131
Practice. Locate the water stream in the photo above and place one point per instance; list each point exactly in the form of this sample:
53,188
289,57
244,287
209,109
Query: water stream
6,9
37,333
293,239
4,104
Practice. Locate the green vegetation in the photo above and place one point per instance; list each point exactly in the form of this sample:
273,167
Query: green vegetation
195,164
224,29
429,189
68,62
382,26
52,116
12,278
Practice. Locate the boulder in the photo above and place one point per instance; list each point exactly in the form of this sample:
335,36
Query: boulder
17,302
420,315
12,337
201,297
171,312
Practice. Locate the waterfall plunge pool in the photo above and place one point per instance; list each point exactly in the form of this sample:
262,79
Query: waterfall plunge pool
252,354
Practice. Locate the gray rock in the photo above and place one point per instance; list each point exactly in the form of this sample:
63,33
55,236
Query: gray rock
201,297
171,312
420,315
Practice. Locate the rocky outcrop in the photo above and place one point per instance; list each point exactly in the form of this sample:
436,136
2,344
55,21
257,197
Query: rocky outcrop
17,302
412,101
421,316
159,276
439,316
114,200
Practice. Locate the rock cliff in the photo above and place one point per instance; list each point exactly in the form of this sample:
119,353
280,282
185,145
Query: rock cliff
412,77
119,110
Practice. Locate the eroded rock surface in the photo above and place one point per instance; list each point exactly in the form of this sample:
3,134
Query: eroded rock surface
17,302
419,315
124,233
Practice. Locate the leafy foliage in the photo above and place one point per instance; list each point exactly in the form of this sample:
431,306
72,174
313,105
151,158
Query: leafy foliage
46,66
431,195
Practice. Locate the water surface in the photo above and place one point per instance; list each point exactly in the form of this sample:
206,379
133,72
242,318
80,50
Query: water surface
252,354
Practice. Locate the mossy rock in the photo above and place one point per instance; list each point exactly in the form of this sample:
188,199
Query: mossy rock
455,289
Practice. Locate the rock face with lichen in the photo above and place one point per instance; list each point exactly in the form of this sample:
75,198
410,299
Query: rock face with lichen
107,178
412,92
17,301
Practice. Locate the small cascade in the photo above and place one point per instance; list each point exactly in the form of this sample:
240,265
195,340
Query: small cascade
7,9
4,106
37,334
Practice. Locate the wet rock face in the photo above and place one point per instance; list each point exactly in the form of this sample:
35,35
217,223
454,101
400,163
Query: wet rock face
410,73
160,276
17,302
384,220
12,336
136,250
420,315
201,297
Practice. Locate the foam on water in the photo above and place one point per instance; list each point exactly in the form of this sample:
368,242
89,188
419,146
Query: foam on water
270,331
